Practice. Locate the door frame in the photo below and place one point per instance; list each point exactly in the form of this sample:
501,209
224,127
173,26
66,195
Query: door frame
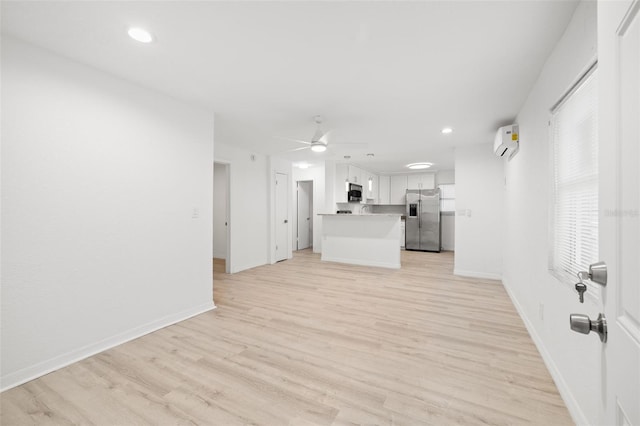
311,206
287,206
227,166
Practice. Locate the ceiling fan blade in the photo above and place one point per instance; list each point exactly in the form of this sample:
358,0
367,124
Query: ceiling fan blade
294,140
297,149
362,144
325,137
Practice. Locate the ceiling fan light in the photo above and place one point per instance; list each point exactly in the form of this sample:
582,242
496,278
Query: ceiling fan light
318,147
141,35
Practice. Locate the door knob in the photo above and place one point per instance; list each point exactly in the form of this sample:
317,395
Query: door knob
583,324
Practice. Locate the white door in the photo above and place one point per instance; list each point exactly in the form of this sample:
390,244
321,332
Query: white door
305,189
282,218
619,118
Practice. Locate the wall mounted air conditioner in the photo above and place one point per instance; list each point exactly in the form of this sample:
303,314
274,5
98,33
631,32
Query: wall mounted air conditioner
507,140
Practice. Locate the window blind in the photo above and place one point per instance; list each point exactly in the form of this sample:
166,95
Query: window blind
574,215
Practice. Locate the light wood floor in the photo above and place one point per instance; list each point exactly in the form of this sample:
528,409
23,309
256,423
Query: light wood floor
218,267
303,342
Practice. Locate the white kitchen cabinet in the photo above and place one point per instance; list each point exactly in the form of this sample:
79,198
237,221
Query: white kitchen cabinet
402,233
371,190
365,184
384,184
421,181
398,189
429,181
356,175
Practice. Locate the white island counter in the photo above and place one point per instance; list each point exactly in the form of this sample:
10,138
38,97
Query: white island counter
362,239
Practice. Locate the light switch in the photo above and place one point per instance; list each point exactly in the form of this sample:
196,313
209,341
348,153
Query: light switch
195,214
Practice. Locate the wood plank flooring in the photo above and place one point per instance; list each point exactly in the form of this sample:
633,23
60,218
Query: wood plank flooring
218,267
304,342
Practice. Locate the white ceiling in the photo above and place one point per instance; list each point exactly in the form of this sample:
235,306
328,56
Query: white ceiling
388,74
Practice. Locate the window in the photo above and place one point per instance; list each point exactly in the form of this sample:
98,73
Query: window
447,198
574,212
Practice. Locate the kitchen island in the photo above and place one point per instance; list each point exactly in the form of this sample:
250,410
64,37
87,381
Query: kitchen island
362,239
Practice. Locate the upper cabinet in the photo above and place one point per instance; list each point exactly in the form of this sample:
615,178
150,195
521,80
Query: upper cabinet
356,175
398,191
421,181
384,183
351,174
383,189
370,187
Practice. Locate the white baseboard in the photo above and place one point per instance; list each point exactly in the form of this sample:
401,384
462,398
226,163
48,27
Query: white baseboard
474,274
567,396
362,262
33,372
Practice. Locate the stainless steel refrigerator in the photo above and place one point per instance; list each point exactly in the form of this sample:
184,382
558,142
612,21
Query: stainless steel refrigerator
423,220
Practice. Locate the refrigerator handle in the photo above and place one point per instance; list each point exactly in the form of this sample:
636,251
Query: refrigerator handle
419,213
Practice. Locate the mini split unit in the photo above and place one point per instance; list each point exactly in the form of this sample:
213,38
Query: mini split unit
507,141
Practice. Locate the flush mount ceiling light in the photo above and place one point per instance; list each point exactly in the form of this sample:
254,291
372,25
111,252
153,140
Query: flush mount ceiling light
447,130
138,34
303,166
419,166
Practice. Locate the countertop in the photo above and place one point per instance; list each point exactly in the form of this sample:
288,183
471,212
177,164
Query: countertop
360,215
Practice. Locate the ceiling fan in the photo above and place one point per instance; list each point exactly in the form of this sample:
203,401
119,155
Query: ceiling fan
320,139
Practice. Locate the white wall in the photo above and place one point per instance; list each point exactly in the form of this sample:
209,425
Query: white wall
106,211
220,186
445,176
248,206
543,302
317,175
479,179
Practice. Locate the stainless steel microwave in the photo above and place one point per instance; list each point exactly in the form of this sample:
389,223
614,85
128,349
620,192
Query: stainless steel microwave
354,193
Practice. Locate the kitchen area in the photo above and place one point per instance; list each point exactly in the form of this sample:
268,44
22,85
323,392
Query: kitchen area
377,216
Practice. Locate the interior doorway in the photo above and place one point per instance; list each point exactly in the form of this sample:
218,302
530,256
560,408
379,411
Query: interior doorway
304,215
221,225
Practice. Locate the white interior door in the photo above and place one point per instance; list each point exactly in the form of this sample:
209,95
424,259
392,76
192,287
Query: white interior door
304,214
619,53
282,219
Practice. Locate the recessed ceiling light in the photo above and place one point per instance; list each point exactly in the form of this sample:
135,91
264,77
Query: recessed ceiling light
138,34
303,165
419,166
447,130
